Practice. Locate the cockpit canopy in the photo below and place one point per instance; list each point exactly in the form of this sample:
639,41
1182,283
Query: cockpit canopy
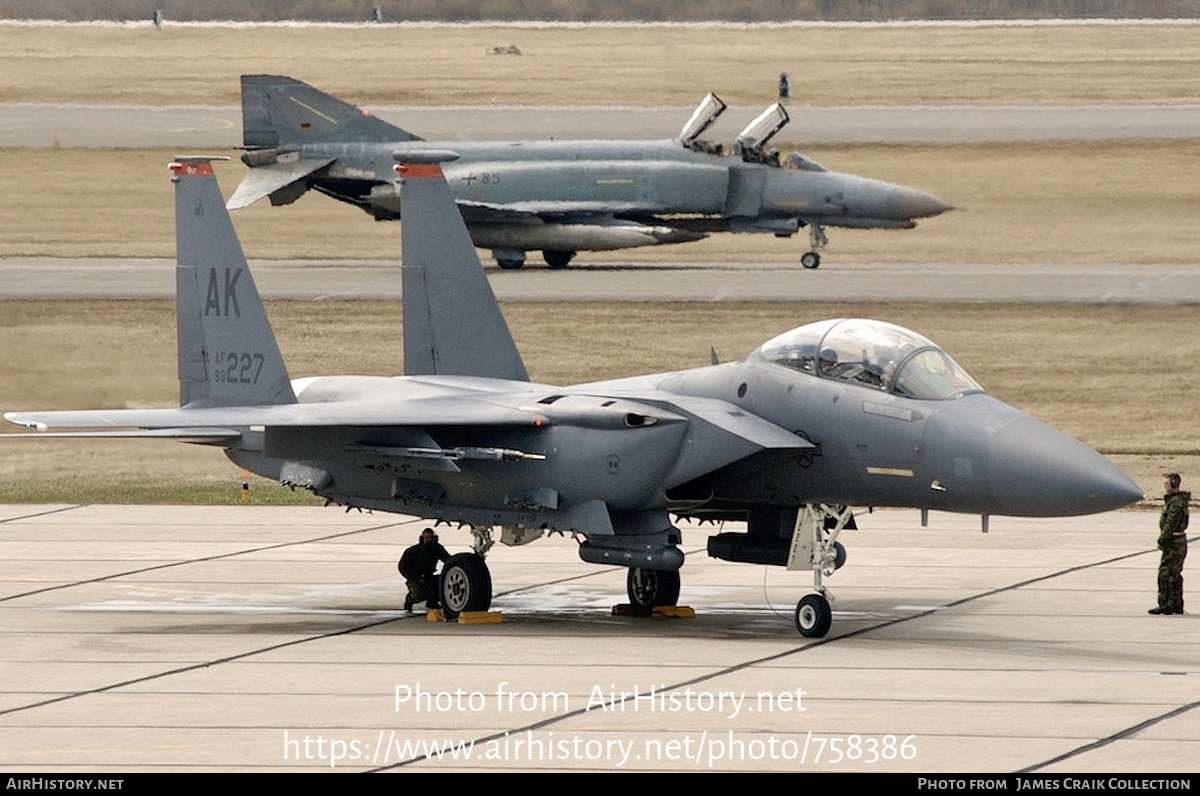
872,354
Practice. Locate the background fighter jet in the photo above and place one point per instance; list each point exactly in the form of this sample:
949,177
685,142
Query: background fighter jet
836,413
566,196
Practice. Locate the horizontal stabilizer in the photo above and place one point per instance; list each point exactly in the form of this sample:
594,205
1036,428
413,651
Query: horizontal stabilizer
263,181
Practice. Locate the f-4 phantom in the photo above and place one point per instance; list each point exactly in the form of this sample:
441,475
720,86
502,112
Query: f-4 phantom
562,197
832,414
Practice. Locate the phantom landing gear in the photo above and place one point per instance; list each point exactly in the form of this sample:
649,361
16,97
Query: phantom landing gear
557,259
509,259
651,588
816,240
815,545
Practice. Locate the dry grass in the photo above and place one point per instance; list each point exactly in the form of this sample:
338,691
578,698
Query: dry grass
832,66
1110,376
1095,202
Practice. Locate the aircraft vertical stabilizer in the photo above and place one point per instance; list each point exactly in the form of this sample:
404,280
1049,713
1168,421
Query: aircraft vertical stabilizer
280,110
452,324
227,352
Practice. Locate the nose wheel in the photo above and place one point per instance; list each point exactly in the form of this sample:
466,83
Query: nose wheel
811,260
815,546
813,616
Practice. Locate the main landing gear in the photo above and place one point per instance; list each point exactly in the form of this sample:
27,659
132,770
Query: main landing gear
815,545
466,584
816,240
509,259
650,588
557,259
512,259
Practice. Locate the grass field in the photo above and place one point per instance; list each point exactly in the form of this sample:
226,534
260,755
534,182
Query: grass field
1075,63
1110,376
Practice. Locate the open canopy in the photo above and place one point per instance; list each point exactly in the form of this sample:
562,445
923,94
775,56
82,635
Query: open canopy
872,354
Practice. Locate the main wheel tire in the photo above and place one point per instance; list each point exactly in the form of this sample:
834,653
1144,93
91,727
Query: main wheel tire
811,260
557,259
813,616
465,585
648,588
510,265
839,555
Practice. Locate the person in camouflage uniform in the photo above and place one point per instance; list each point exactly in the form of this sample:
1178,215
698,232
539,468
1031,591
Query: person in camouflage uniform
417,567
1172,540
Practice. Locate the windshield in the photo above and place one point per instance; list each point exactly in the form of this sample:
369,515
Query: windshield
872,354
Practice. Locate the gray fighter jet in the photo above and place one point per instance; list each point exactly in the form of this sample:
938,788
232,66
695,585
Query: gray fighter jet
562,197
831,414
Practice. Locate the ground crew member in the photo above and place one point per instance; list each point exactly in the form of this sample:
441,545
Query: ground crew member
417,566
1172,540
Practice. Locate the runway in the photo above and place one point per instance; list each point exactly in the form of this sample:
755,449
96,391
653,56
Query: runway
191,126
221,638
49,278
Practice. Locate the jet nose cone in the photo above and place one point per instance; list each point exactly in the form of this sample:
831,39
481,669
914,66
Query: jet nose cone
1037,471
912,203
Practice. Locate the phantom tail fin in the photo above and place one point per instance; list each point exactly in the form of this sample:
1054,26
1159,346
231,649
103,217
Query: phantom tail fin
452,324
277,111
227,352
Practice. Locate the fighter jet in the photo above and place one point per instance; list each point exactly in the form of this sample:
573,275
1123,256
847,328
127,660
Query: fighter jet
837,413
563,197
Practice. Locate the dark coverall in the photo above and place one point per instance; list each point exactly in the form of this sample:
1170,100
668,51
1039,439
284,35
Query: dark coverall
417,566
1172,540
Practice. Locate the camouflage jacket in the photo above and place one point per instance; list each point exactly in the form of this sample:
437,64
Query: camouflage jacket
421,560
1174,516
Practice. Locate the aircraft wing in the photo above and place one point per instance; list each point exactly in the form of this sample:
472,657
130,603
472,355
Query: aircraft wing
263,181
222,422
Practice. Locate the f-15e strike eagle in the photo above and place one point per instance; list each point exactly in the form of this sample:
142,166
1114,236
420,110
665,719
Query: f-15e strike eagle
562,197
831,414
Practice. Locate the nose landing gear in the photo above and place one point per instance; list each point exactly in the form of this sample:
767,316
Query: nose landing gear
815,546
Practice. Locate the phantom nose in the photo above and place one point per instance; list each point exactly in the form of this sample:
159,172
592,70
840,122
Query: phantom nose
912,203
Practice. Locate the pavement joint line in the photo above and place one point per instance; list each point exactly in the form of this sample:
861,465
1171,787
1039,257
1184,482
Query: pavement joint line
195,666
44,513
1116,736
171,564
